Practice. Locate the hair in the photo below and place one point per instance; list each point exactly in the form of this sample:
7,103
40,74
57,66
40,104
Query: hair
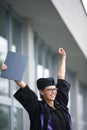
41,97
40,94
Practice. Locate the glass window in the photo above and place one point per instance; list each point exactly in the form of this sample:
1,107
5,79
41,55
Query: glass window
4,87
16,46
4,117
39,71
18,119
46,72
6,114
46,68
3,22
83,106
42,66
17,35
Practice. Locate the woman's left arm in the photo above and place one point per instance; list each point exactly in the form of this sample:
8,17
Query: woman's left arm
62,85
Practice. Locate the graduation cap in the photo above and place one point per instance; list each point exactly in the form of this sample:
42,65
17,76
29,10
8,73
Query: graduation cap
44,82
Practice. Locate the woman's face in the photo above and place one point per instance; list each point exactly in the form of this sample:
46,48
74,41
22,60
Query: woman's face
49,93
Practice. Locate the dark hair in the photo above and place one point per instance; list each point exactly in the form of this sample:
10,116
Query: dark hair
41,97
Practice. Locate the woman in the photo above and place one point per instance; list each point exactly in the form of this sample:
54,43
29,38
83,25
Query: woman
51,113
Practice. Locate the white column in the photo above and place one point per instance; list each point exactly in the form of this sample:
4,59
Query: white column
28,50
77,103
31,61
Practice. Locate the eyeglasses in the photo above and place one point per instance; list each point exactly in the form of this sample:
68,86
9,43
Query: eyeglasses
52,89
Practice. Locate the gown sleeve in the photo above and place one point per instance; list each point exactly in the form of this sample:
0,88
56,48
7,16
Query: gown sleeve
63,92
28,99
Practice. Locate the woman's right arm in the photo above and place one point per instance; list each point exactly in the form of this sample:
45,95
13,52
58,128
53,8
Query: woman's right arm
21,84
62,67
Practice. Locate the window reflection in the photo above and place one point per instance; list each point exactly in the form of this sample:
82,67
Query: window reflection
18,125
4,117
16,35
4,89
3,49
42,72
39,71
46,72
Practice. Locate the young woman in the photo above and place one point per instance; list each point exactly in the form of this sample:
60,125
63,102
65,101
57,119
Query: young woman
51,113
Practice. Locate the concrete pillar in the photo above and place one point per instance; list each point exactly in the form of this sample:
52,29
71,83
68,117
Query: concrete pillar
73,98
28,50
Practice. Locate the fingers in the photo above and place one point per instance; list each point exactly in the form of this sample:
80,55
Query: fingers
61,52
4,66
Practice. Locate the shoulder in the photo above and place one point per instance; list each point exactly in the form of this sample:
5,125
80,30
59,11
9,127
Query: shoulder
61,83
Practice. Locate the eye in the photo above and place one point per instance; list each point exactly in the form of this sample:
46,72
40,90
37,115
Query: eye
52,89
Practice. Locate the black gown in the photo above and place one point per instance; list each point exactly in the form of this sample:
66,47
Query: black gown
42,116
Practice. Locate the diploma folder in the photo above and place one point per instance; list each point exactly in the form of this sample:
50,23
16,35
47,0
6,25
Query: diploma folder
15,66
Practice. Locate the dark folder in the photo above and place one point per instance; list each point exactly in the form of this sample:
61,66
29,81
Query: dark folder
15,66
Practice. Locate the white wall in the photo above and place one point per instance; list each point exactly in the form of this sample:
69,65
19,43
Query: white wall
74,17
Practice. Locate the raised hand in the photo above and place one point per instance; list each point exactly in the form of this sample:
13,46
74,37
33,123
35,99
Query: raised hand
62,67
62,52
4,67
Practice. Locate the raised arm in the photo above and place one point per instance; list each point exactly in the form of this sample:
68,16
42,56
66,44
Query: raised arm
62,67
21,84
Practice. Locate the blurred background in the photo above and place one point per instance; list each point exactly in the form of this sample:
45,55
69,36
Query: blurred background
37,29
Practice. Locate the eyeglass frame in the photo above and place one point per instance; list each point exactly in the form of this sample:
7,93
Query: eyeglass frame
51,89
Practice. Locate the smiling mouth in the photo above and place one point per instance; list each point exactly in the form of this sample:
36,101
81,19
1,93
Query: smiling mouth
52,96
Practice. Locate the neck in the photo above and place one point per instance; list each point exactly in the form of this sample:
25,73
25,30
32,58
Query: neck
51,104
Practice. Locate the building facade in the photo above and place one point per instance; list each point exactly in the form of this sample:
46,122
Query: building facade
38,34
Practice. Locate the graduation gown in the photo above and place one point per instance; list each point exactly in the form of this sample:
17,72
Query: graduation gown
42,116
